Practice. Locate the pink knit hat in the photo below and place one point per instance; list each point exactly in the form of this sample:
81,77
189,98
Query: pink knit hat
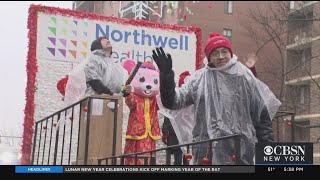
216,41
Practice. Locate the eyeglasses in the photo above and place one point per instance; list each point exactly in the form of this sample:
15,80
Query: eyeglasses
216,54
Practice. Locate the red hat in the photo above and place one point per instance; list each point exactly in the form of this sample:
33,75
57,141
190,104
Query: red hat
182,77
61,85
216,41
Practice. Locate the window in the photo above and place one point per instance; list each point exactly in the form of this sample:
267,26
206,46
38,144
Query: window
227,33
302,94
301,131
134,10
305,55
228,6
303,59
85,6
291,4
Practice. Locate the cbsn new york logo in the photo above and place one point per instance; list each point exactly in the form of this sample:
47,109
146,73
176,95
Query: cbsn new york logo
284,153
289,153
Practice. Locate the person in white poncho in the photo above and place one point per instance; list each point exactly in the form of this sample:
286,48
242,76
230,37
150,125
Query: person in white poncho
103,75
98,74
227,99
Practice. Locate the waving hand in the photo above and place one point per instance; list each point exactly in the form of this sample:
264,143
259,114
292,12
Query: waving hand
163,60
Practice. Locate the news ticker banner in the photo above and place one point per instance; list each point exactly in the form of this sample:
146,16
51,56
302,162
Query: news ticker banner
257,169
134,169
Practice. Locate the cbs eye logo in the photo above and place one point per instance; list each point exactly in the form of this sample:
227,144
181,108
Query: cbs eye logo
268,150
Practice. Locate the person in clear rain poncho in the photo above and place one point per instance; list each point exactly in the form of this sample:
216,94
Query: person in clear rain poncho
103,75
226,99
98,74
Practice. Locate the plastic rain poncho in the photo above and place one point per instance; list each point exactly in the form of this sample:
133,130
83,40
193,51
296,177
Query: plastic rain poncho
184,117
224,101
97,66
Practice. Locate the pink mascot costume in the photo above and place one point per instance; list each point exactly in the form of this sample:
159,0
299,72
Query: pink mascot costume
143,125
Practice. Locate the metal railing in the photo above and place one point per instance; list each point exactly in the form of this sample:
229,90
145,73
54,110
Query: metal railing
150,160
56,137
52,145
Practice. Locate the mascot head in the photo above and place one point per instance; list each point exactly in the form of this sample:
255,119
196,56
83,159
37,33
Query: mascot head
146,81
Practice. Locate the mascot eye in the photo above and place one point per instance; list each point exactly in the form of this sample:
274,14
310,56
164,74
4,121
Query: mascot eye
142,79
155,81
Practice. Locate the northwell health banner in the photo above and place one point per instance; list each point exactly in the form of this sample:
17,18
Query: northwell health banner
59,39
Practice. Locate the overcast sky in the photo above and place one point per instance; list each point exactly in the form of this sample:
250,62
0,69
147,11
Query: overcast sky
13,75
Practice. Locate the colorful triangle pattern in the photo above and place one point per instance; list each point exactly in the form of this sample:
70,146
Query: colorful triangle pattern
63,52
54,19
64,42
74,32
73,53
64,31
85,43
84,54
52,50
53,40
65,20
53,30
74,43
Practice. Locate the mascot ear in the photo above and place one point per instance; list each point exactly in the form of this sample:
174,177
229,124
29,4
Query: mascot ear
155,65
128,64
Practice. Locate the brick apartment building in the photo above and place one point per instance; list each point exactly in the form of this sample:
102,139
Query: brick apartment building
302,84
226,17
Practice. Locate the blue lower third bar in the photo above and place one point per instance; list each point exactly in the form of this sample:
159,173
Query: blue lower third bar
39,169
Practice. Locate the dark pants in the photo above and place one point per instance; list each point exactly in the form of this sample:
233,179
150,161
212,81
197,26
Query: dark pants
172,140
177,154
